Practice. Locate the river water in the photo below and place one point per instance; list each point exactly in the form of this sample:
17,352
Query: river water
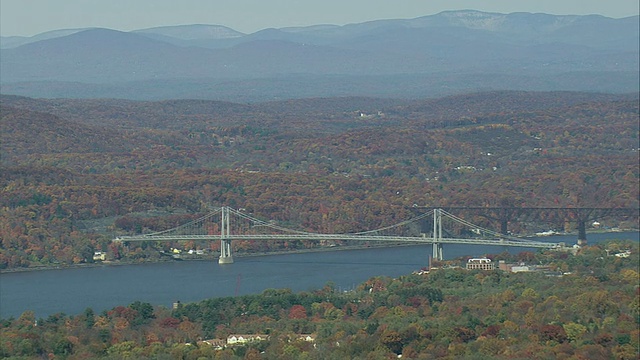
71,291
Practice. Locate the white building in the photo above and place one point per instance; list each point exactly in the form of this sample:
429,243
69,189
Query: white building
244,338
480,264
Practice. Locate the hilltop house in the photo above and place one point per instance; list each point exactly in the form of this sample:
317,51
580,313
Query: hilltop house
245,338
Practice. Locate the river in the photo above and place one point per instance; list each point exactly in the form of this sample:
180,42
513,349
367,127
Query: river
72,290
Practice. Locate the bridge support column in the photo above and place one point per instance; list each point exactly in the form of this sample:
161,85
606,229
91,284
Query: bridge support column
582,232
437,251
504,226
437,235
225,243
225,252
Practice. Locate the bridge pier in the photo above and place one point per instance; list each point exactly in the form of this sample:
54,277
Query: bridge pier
582,232
437,235
437,252
225,252
225,243
581,217
504,225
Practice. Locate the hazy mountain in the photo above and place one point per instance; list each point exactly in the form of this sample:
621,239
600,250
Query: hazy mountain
450,52
193,32
101,56
7,42
191,35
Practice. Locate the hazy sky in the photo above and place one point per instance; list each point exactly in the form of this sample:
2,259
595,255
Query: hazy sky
31,17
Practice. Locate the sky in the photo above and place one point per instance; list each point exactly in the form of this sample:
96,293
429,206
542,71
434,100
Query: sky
31,17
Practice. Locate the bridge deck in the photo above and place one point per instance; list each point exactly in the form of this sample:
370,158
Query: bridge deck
416,239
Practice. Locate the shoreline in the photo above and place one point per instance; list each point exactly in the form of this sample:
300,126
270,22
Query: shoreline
201,258
243,255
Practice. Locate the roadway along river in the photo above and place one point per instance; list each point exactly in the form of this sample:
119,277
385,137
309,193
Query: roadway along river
71,291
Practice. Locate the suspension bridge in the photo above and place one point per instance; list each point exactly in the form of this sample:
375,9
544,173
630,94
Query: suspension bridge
435,227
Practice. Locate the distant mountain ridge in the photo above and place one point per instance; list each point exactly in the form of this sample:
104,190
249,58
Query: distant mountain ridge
7,42
544,26
193,32
448,50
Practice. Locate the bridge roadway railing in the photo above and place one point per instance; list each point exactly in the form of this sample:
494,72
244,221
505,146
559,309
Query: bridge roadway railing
410,239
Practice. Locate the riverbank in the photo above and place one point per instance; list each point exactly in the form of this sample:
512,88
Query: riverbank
210,257
214,257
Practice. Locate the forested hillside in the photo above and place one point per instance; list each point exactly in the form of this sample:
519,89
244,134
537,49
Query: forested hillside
75,173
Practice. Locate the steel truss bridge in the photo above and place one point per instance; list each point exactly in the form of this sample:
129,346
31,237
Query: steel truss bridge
426,228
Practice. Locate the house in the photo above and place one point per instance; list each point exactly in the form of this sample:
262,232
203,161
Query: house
245,338
99,256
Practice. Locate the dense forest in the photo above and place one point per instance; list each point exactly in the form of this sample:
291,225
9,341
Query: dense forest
76,173
591,311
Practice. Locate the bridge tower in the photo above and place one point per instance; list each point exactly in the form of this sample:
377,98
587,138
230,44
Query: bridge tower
225,242
437,234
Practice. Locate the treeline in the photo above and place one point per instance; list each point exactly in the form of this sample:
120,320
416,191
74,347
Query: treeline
593,312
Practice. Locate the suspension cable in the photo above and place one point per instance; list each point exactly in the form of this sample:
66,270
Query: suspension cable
406,222
491,232
192,222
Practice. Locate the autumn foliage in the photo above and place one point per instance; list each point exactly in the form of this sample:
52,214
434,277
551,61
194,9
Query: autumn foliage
75,173
444,314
